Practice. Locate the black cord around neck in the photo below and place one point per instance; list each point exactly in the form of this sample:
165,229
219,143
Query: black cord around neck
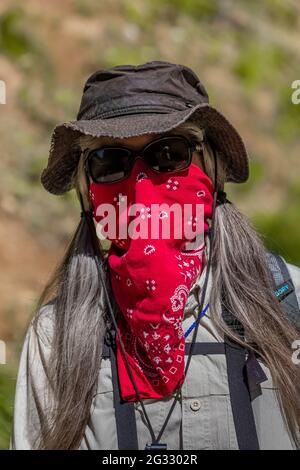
89,220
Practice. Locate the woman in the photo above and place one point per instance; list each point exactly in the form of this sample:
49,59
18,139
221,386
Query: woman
97,369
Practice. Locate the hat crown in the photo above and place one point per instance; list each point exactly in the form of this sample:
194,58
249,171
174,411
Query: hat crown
126,101
155,86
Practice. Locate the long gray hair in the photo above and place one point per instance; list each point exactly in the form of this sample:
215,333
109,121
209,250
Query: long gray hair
80,315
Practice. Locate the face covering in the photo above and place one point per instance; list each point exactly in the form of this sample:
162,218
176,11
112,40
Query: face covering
151,277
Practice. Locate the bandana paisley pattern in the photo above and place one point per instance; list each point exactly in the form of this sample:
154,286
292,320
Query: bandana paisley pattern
151,278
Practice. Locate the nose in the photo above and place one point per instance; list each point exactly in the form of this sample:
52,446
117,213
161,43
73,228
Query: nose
140,169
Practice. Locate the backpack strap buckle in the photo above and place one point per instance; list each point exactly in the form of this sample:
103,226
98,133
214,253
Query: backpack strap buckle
156,446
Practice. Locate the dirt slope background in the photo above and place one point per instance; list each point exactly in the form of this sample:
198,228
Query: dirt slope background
247,54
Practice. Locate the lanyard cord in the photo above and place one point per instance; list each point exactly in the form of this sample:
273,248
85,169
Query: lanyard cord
197,323
99,264
201,314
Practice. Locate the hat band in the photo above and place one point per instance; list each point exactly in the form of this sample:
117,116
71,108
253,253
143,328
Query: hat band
144,103
141,109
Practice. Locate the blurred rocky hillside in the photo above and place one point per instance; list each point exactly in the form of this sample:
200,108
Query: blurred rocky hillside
246,53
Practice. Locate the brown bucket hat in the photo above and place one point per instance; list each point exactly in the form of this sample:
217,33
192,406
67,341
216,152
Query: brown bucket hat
127,101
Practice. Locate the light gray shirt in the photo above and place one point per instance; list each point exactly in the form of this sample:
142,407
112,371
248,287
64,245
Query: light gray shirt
204,409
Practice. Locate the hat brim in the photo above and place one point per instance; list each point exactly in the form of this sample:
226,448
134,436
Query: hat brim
57,177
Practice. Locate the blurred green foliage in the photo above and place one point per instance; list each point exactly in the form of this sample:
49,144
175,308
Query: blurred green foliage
13,40
277,11
20,44
197,9
84,7
129,55
7,389
148,12
259,63
257,173
280,228
287,123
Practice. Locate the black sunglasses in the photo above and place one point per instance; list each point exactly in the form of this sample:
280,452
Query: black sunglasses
163,155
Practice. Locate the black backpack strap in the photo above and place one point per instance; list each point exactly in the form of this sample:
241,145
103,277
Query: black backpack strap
124,411
244,376
241,370
238,388
240,397
205,348
284,288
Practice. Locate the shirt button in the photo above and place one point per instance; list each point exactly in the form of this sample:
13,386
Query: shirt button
195,405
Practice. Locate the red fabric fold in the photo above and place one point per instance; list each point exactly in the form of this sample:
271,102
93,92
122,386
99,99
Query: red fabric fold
151,278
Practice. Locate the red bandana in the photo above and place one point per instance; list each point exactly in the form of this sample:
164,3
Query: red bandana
151,278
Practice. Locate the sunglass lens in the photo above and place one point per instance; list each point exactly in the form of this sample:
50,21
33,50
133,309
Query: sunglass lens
171,154
109,165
